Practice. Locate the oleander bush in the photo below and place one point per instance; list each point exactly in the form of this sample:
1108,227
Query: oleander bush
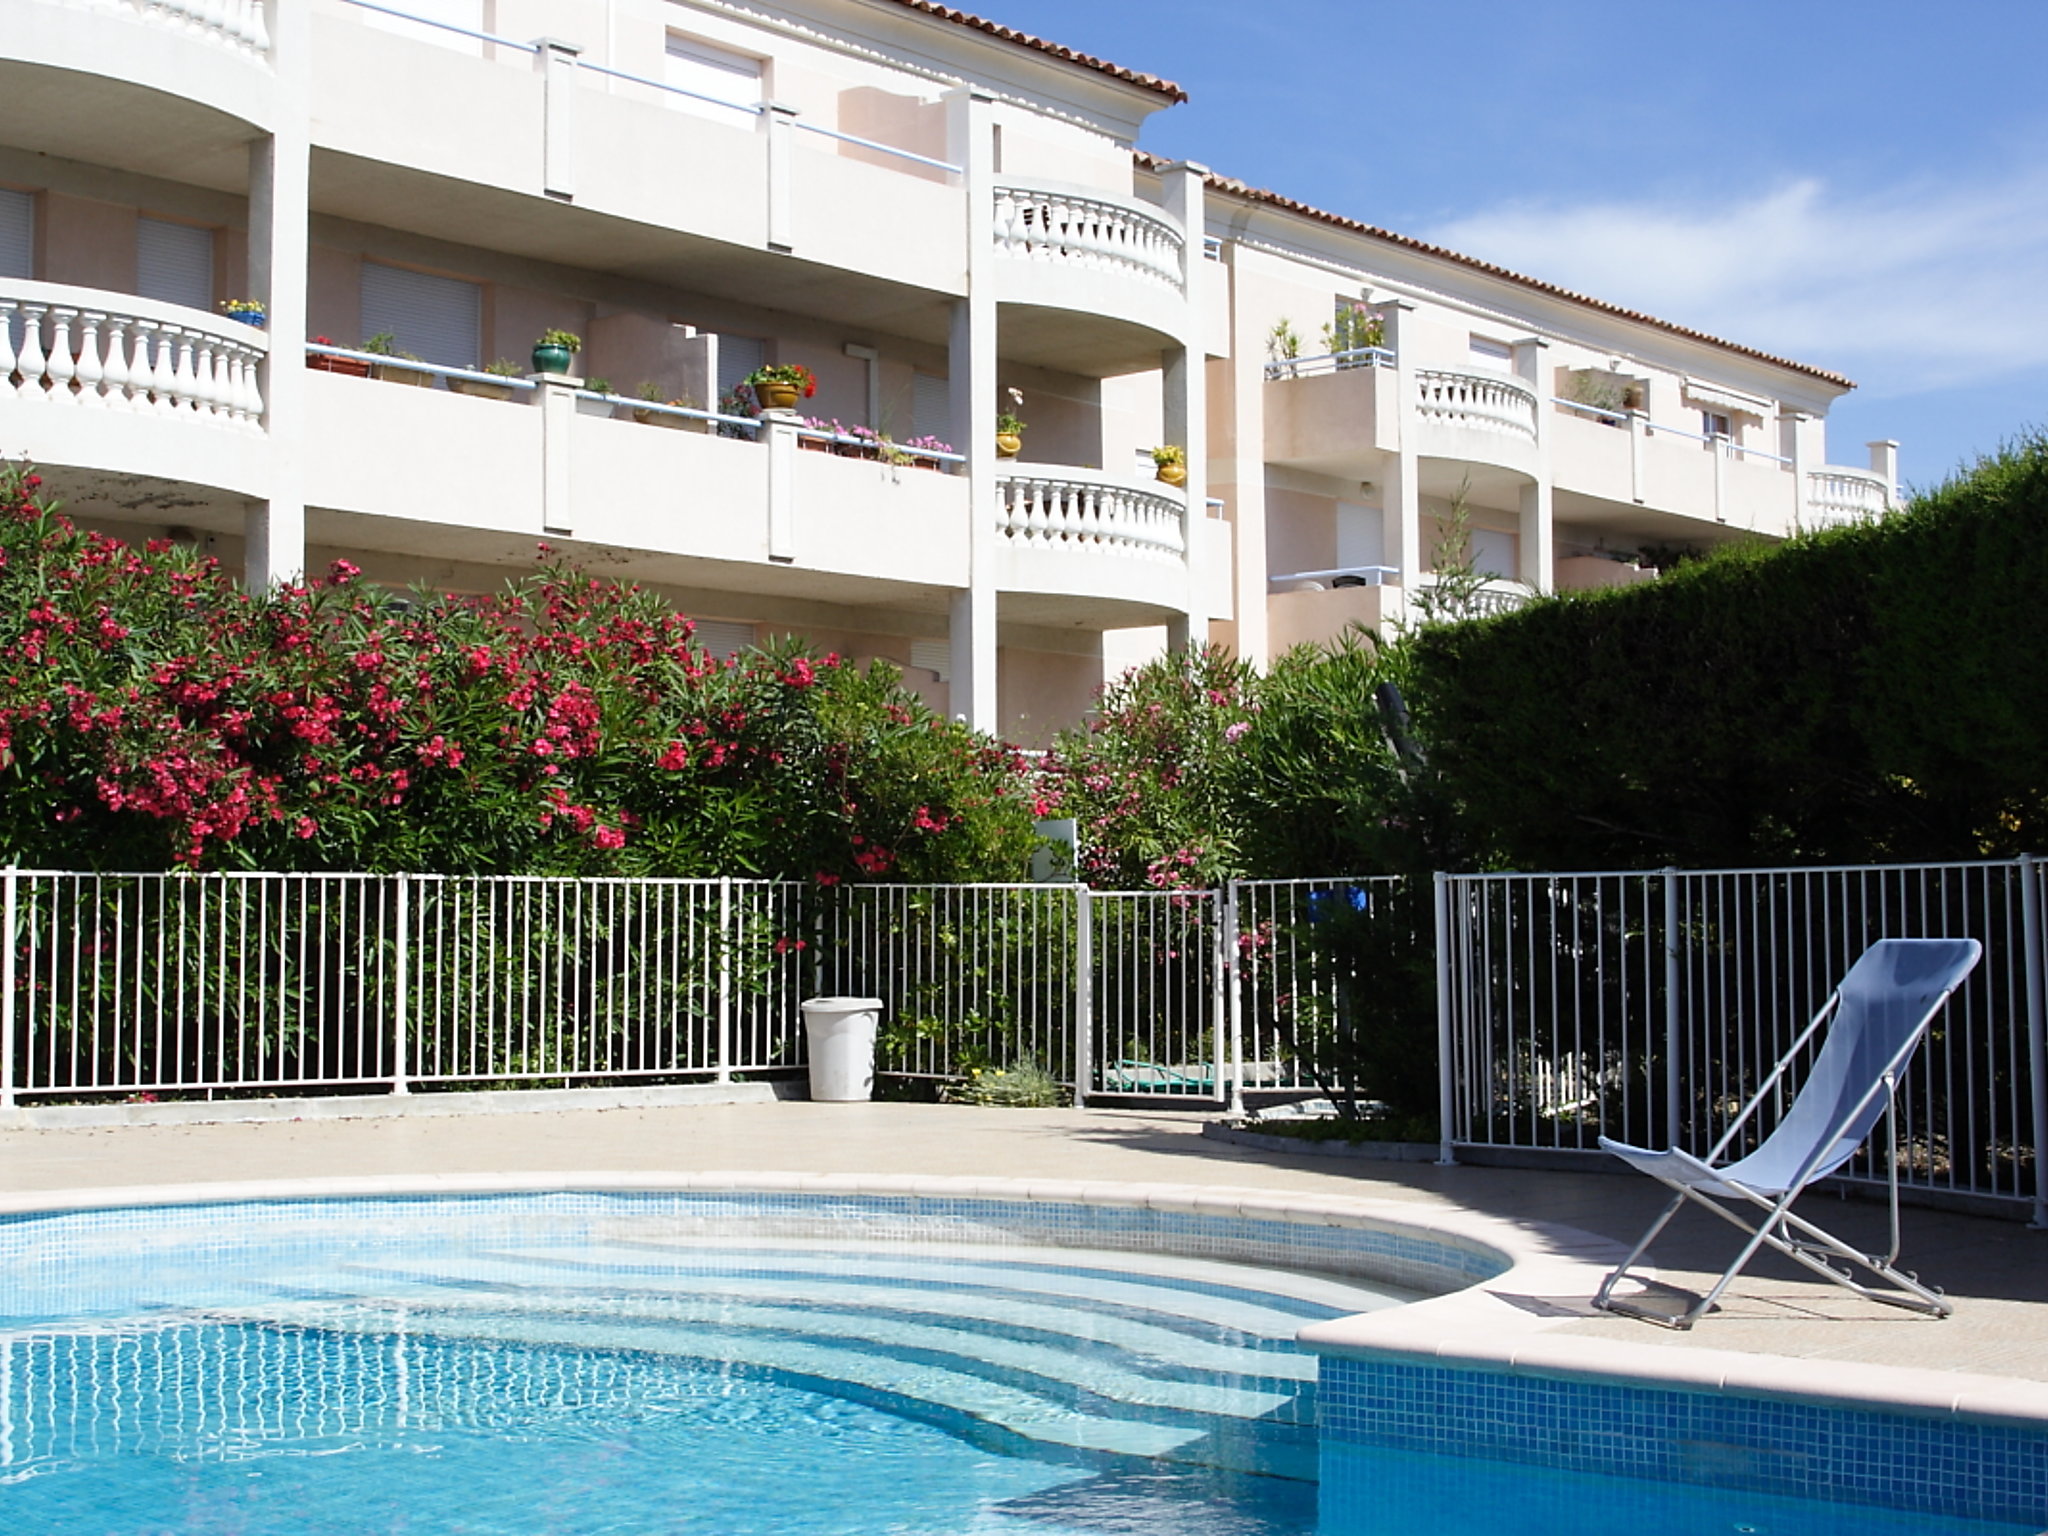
154,714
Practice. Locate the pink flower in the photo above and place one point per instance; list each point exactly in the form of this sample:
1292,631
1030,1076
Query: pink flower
1233,732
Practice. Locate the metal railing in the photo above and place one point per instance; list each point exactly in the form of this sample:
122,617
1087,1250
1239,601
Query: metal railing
1330,362
1646,1006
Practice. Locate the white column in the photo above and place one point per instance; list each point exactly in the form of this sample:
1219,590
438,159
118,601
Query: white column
275,529
778,433
779,123
556,62
971,372
555,394
1247,342
1796,438
1402,518
1186,410
1884,462
1537,562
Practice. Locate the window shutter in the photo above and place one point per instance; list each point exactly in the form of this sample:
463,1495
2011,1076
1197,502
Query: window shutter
724,639
174,263
456,13
17,234
732,78
933,656
1493,553
440,318
931,407
738,356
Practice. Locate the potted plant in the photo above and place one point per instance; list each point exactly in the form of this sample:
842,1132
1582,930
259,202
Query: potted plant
654,394
1283,347
1354,329
778,386
1010,428
248,311
353,367
922,449
498,368
1170,461
739,403
385,344
555,351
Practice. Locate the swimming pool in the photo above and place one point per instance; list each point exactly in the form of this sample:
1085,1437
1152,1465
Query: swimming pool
735,1360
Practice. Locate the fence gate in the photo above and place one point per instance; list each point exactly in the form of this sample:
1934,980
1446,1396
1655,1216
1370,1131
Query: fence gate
1150,976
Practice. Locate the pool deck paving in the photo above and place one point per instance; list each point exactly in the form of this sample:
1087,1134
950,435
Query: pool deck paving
1795,1329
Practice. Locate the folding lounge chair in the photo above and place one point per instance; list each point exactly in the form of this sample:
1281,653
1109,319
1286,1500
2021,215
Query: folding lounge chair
1880,1011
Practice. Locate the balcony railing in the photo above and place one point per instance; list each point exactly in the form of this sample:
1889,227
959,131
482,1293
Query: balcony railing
1835,494
1486,402
1330,362
236,24
81,348
1089,232
1057,507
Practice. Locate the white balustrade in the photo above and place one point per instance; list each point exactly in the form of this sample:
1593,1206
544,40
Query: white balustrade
1091,232
83,349
1487,402
235,24
1835,494
1061,508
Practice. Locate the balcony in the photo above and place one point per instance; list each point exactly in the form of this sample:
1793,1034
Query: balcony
1605,464
116,385
1064,252
1333,415
1070,535
1484,418
733,504
1836,495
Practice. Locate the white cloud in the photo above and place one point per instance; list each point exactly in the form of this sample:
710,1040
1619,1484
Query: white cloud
1928,285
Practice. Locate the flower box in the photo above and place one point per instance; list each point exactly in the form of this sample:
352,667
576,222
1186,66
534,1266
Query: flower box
354,367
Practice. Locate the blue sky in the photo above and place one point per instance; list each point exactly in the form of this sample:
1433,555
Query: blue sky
1858,184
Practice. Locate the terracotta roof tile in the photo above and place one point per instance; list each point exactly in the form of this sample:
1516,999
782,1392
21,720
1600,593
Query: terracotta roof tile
1165,88
1407,242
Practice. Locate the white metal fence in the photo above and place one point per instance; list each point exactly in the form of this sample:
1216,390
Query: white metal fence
1647,1006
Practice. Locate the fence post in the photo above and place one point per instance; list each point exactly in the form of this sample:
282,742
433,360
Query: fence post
7,920
1227,976
1672,1023
2037,1026
1446,1095
1084,995
725,943
402,1013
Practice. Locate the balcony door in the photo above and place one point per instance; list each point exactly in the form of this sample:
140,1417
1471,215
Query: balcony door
174,263
17,234
437,318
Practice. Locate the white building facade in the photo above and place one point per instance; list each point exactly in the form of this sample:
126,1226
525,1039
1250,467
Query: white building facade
929,213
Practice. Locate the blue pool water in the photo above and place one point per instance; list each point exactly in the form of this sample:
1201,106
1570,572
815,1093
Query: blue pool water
352,1372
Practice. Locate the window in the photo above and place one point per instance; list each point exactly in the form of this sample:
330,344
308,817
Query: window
174,263
1493,553
468,14
437,318
934,656
717,73
1361,536
722,639
17,234
1488,353
738,356
931,407
1716,424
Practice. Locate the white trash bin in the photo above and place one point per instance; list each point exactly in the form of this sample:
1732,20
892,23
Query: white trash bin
842,1038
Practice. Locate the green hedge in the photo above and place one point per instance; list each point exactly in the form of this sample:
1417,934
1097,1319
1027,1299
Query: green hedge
1866,693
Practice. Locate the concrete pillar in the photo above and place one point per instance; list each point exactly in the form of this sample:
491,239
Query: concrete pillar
778,435
275,528
556,62
971,373
1884,462
779,123
1536,546
1248,327
1402,518
555,395
1186,407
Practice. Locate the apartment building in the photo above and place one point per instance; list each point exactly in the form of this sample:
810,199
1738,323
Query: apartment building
943,220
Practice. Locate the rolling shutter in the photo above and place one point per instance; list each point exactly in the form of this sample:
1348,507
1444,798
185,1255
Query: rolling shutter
931,407
440,318
934,656
738,356
17,234
722,638
703,70
174,263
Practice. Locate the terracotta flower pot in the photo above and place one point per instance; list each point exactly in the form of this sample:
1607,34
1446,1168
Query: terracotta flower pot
354,367
776,397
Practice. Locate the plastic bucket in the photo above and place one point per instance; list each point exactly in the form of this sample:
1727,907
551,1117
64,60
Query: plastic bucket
842,1040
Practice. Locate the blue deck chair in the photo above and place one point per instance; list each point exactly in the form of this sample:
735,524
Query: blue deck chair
1880,1011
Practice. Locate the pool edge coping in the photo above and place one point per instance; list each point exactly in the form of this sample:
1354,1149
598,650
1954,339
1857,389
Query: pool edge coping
1503,1324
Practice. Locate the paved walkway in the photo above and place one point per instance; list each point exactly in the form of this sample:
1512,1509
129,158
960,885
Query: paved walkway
1996,1271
